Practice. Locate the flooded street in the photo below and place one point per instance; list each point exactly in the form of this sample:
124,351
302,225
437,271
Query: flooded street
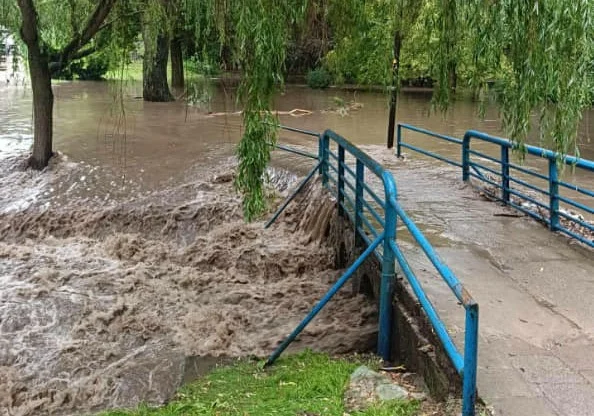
129,254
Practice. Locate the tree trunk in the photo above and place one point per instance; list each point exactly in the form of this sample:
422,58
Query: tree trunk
43,108
453,76
177,63
395,88
154,68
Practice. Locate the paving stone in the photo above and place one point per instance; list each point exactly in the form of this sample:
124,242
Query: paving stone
504,383
523,406
589,375
571,399
580,357
545,369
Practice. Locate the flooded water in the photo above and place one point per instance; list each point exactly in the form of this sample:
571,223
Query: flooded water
156,142
129,253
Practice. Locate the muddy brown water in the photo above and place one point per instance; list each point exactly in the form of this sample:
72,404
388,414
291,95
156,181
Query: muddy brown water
129,254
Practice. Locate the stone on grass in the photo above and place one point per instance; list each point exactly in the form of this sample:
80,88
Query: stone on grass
367,388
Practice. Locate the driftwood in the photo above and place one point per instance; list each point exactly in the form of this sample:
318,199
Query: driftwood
296,112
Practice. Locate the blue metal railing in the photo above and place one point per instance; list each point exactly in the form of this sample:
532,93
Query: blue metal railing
511,179
349,174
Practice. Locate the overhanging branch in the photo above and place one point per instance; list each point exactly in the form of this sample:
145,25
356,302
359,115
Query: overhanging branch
94,24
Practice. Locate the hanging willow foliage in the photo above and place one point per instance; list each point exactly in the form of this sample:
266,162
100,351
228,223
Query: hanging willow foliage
544,51
261,37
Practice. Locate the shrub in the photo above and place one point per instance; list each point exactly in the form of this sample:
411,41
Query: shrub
319,78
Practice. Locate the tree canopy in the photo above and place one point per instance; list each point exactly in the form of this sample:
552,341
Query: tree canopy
534,58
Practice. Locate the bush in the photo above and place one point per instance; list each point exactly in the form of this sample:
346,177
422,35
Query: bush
319,78
92,68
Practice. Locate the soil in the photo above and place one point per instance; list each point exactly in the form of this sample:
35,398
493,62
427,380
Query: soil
101,302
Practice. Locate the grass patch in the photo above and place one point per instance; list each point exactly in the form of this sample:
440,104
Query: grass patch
133,72
303,384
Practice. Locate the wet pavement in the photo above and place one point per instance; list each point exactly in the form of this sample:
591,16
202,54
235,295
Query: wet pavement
534,288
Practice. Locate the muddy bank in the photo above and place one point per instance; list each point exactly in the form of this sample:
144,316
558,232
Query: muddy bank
100,304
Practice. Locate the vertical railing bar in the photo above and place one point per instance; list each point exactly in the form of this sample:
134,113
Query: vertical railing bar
505,173
360,172
388,270
553,195
340,179
325,144
321,154
399,141
470,361
466,158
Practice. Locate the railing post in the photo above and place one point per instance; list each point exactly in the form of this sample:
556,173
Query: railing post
505,173
340,180
553,194
470,360
466,157
320,154
388,271
324,150
359,198
399,141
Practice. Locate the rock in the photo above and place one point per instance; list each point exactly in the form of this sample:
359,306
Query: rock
367,387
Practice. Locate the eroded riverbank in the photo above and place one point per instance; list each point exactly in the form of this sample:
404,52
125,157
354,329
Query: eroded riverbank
101,303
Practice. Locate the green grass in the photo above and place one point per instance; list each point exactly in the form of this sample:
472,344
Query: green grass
303,384
133,72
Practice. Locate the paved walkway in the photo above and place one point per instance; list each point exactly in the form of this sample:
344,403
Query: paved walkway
535,290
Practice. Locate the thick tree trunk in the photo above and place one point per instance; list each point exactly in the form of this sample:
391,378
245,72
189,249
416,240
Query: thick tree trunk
177,63
395,88
43,109
39,68
154,69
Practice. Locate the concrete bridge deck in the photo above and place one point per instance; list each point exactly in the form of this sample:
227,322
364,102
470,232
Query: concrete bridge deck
535,290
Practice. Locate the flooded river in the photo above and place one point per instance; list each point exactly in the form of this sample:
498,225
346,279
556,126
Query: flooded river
129,254
156,142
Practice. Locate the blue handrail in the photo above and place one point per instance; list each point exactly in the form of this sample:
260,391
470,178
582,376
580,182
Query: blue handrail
506,182
338,177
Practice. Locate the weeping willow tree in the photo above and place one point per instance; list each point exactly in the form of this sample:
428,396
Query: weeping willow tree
55,35
260,32
541,51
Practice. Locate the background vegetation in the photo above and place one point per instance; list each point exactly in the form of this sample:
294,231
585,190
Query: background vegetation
531,57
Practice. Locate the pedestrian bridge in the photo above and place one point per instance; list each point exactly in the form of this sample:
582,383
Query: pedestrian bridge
478,230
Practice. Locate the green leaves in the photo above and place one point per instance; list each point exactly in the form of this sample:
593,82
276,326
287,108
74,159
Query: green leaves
542,52
260,47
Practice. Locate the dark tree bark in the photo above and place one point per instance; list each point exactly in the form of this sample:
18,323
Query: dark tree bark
43,110
394,91
40,69
43,98
177,63
154,68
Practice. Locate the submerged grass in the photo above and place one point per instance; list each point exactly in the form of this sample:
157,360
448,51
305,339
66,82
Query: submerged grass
303,384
